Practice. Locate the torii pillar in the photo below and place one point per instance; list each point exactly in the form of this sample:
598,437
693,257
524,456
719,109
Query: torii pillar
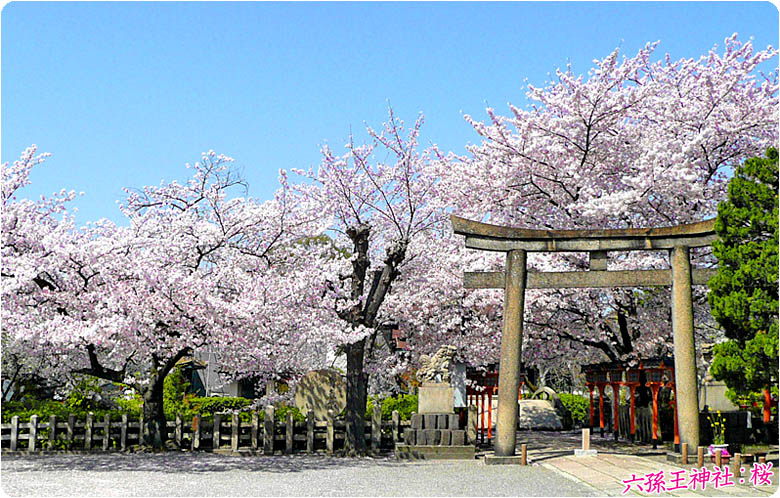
516,242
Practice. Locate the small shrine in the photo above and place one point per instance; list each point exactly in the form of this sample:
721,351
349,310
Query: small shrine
653,373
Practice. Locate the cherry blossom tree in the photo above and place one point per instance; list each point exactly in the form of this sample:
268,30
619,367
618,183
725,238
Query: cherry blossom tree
31,233
635,143
378,209
127,303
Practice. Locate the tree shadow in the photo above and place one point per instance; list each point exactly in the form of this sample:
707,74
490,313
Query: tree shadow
186,463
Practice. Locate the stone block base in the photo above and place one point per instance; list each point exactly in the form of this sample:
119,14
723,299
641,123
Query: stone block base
503,460
407,452
675,457
435,399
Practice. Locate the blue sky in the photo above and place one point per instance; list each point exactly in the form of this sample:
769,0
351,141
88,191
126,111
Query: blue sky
123,94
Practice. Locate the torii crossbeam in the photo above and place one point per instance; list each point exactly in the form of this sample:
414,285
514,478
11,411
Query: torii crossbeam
516,242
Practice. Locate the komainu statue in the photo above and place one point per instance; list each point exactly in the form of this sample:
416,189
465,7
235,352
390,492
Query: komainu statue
436,368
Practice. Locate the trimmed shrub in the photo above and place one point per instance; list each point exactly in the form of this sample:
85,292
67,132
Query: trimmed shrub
404,403
578,406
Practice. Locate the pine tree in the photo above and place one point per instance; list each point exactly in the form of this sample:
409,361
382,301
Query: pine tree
744,292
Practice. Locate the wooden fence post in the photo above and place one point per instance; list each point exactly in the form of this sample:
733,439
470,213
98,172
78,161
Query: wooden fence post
269,428
178,430
123,433
195,443
255,427
141,429
88,431
330,434
52,430
684,451
14,432
736,465
235,431
376,429
310,432
106,431
700,457
71,430
289,433
32,438
215,432
396,426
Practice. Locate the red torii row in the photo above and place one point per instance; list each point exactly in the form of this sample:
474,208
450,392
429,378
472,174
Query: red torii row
659,373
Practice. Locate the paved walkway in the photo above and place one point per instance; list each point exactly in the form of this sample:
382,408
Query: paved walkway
544,445
619,461
607,474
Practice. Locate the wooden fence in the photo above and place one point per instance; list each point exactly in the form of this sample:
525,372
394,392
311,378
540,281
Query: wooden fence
643,424
224,432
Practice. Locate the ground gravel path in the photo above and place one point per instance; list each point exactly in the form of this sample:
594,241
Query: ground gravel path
187,474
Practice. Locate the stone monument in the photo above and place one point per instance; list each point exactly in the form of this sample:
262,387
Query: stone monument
436,395
435,431
320,391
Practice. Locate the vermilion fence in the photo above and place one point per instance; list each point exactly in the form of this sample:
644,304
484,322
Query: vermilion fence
480,393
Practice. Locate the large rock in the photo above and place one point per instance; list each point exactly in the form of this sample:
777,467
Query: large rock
538,414
550,395
320,391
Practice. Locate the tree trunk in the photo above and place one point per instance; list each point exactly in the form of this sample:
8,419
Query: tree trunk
154,430
355,443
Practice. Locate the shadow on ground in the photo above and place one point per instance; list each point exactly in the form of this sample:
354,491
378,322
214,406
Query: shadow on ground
547,445
187,462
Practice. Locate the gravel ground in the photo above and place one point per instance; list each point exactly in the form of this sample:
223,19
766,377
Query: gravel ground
201,474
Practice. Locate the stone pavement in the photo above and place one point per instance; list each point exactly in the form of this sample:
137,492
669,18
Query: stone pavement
606,473
544,445
620,460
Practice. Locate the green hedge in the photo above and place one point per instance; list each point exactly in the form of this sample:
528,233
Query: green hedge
44,409
579,406
404,403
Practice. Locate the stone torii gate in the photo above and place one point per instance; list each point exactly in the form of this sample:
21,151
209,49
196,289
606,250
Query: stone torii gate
516,242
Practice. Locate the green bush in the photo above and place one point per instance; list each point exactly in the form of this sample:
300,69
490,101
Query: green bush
579,406
25,410
44,409
174,394
134,406
404,403
208,406
281,414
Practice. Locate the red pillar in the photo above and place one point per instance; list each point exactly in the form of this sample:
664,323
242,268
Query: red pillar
590,388
655,389
601,408
633,414
490,416
767,406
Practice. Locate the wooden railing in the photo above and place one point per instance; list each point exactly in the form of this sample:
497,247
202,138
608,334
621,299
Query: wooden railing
643,424
222,432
